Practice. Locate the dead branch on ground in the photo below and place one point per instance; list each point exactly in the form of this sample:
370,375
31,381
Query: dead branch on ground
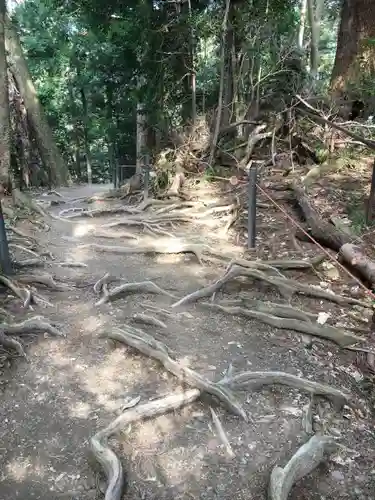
304,461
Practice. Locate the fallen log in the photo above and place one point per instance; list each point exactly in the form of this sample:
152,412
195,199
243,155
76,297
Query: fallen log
321,230
354,257
330,236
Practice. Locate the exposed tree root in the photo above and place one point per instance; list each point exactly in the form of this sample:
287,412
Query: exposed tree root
172,247
22,234
278,264
141,287
46,280
304,461
280,310
21,293
36,323
108,459
12,343
150,320
147,345
28,263
23,249
73,264
259,379
340,337
114,234
286,287
101,281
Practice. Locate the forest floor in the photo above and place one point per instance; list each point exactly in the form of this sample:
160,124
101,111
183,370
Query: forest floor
69,388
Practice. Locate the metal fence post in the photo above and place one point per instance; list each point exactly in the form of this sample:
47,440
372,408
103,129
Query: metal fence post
252,206
5,262
147,175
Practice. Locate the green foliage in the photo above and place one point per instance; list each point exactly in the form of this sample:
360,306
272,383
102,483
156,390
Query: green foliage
93,61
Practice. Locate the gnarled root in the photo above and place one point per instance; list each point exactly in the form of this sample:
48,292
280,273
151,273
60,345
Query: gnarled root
108,459
46,280
28,263
340,337
259,379
286,287
150,320
172,247
304,461
147,345
141,287
21,293
12,343
36,323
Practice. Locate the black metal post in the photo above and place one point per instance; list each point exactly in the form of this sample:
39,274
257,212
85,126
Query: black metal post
252,206
146,167
5,262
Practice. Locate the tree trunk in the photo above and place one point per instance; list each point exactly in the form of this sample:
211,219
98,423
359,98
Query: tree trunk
221,88
48,150
355,53
141,131
85,117
302,23
5,144
312,13
228,98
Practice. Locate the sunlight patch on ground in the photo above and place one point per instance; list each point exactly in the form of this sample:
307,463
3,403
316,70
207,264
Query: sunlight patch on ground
80,410
19,468
113,378
82,229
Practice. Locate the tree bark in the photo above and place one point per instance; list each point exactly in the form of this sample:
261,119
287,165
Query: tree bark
221,88
48,150
314,20
355,54
5,144
85,117
302,23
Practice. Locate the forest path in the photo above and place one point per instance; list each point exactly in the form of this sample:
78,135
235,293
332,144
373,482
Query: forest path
70,388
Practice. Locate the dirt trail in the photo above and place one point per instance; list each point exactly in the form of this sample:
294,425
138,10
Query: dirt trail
70,388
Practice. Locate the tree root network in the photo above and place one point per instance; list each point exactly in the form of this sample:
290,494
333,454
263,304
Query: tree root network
282,479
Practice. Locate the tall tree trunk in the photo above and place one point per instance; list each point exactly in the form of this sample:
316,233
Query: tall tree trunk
85,117
355,53
110,135
302,23
141,142
314,14
215,138
227,114
76,135
49,153
4,105
314,51
192,69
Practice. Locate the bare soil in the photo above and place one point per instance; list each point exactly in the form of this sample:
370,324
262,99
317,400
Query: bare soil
70,388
